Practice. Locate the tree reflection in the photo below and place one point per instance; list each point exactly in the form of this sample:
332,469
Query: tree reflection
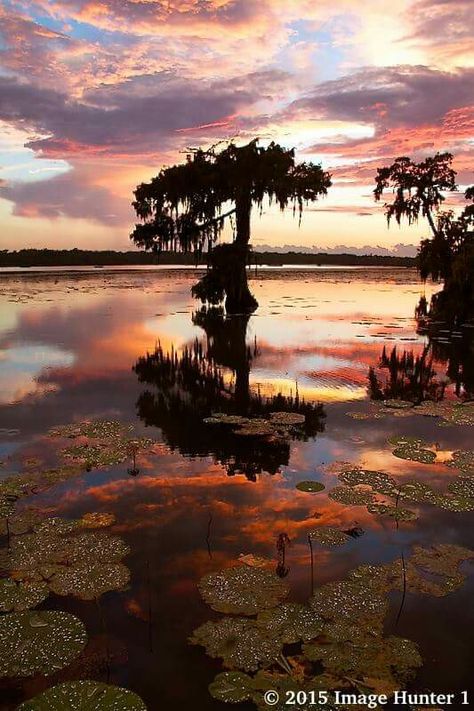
454,348
447,357
214,376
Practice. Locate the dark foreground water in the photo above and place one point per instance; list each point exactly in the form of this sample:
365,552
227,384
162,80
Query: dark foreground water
74,348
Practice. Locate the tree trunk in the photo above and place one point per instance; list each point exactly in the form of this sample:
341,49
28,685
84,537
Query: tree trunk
239,298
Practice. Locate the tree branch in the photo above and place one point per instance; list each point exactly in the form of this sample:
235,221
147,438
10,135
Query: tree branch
216,219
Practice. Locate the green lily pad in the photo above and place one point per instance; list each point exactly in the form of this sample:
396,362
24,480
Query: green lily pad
84,564
423,456
24,521
464,461
462,414
16,597
89,580
84,696
96,455
257,427
242,590
463,486
231,687
329,536
7,506
395,512
362,597
39,642
98,545
312,487
100,429
239,642
380,482
56,525
419,492
351,497
398,404
287,418
412,449
393,659
291,622
456,503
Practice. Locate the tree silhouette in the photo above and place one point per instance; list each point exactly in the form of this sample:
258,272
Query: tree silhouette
185,206
186,387
448,255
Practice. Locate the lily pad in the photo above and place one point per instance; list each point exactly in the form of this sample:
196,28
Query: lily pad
287,418
239,642
329,536
39,642
456,503
84,696
291,622
351,497
398,404
392,659
101,429
463,486
418,492
242,590
83,564
19,523
221,418
96,455
256,428
380,482
7,506
362,597
231,687
89,580
395,512
462,414
57,525
312,487
37,549
16,597
464,461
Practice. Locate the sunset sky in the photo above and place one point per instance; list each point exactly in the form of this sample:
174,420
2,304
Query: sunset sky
97,95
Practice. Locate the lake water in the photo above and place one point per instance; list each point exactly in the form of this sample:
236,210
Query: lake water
100,345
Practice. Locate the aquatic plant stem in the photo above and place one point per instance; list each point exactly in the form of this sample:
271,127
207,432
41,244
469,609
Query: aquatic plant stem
150,609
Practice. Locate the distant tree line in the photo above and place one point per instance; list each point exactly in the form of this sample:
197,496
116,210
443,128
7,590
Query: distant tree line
98,258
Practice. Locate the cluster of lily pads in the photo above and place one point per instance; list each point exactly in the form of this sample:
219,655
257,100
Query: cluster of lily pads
66,557
74,557
335,641
101,443
361,487
277,424
62,556
447,413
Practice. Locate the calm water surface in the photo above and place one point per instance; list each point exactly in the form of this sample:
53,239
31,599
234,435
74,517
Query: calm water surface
74,347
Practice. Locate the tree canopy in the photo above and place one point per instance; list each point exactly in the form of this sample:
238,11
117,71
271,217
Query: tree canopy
448,255
185,206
